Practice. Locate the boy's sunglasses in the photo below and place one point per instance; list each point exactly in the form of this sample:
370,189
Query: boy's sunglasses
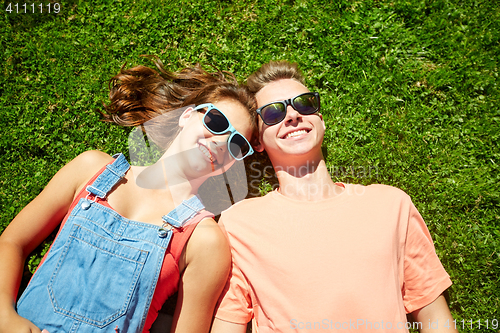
217,123
305,104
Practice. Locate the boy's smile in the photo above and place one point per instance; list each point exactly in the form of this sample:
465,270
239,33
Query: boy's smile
297,134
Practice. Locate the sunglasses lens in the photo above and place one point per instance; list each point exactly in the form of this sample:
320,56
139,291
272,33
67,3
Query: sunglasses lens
239,146
216,121
306,104
273,113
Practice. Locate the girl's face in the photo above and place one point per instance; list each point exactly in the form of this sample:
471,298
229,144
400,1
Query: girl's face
203,152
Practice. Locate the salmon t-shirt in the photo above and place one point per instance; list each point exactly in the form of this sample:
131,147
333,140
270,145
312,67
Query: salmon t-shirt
358,261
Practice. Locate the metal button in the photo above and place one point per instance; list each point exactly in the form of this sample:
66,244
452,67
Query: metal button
162,233
86,205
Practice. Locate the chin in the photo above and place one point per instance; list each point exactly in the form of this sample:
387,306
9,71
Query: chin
301,149
217,172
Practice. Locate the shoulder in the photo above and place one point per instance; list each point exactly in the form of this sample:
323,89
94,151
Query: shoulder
84,166
90,162
247,212
207,254
377,196
247,206
92,159
380,190
207,242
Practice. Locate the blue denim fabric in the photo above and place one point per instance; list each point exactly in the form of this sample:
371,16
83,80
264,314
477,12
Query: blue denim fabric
102,269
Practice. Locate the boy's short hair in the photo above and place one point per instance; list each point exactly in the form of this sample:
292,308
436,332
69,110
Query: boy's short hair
273,71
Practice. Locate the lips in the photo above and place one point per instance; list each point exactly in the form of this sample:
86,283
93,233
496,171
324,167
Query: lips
206,152
295,133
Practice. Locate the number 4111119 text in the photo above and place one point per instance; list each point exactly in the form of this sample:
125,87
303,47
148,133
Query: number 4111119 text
24,8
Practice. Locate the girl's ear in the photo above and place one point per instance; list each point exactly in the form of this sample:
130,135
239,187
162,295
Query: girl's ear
186,114
257,145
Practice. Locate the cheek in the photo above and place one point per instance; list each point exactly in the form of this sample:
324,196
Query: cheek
264,130
267,136
207,134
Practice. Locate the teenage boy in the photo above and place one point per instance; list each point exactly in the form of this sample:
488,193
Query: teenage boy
315,255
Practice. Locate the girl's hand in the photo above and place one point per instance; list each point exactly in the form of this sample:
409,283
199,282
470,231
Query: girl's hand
14,323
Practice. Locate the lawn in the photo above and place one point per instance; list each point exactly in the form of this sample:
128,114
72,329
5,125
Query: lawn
409,93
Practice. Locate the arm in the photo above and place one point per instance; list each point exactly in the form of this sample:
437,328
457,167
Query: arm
435,317
208,261
32,225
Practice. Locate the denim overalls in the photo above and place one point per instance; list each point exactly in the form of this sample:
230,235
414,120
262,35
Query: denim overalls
101,271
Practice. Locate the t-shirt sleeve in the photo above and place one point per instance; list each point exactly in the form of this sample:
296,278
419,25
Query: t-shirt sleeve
234,303
424,275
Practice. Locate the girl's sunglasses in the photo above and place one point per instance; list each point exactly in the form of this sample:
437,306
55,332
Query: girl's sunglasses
305,104
217,123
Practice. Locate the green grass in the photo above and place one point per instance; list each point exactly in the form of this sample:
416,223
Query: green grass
409,93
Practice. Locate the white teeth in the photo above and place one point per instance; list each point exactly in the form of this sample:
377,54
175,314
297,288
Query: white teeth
296,133
205,151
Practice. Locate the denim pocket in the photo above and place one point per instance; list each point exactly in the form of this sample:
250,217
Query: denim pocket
95,277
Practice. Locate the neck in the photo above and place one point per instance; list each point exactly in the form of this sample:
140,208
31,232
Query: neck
164,178
306,180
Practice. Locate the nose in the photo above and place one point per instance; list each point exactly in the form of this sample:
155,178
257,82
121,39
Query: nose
291,115
221,143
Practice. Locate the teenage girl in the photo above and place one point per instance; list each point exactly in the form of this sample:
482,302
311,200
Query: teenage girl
131,236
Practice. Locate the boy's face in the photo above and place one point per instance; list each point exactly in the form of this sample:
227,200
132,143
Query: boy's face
297,134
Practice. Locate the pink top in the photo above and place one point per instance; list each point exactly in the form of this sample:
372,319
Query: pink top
359,261
168,281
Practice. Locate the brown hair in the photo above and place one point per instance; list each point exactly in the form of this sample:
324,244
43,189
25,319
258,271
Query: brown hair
141,93
274,71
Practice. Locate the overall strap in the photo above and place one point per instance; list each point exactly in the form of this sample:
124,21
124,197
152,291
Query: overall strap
113,173
177,217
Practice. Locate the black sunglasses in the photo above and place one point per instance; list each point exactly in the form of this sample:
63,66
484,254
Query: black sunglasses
217,123
305,104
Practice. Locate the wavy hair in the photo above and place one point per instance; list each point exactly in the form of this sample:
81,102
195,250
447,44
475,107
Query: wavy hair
141,93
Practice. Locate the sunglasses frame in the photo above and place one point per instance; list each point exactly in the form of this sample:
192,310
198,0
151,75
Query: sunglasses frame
287,102
230,128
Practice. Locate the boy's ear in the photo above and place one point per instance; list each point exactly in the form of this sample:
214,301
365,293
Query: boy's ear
186,114
322,120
